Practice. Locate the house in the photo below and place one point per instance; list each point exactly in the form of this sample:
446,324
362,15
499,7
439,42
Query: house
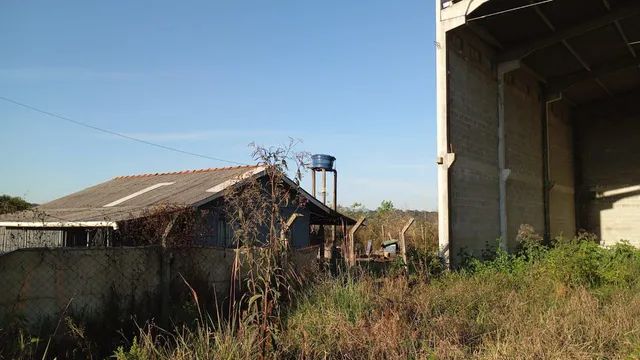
102,214
538,120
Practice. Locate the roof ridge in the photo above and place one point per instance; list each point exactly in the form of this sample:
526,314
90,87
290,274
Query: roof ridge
193,171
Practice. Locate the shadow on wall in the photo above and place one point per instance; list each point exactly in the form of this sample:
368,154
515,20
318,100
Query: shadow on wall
612,213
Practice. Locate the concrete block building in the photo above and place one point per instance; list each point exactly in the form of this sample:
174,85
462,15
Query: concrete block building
538,120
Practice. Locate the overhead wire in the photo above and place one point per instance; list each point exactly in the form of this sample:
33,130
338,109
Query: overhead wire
115,133
510,10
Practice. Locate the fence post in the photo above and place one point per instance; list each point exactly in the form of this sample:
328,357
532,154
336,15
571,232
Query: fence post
403,243
351,260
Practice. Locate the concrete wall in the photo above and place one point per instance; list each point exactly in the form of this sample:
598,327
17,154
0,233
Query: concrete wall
206,269
608,144
473,137
524,156
562,212
97,284
473,124
110,285
304,260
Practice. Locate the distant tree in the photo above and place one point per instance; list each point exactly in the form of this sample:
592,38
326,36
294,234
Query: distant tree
385,207
9,204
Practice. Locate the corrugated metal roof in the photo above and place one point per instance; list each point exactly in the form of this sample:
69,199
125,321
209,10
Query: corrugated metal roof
128,197
135,193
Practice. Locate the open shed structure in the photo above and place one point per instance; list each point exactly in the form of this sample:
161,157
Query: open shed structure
538,120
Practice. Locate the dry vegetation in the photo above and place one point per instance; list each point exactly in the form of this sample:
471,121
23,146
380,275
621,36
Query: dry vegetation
575,300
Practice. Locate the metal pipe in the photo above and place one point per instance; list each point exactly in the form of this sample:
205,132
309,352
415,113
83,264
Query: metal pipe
546,173
335,204
502,172
313,182
324,186
335,190
546,163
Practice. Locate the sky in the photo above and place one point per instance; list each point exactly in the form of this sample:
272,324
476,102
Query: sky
354,79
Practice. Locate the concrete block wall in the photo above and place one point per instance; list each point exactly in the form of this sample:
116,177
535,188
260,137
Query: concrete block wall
304,260
96,284
205,269
473,137
608,144
562,212
110,285
524,155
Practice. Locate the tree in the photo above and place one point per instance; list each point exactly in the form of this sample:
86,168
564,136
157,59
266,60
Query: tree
385,206
9,204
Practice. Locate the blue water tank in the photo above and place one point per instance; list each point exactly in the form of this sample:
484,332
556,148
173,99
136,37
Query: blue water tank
322,162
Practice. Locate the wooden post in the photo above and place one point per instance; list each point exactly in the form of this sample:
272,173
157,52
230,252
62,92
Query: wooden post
351,260
403,243
165,274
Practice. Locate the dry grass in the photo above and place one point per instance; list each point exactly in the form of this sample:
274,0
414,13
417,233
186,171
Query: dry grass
576,301
550,308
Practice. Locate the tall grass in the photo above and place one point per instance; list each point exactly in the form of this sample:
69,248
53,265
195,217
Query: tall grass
574,300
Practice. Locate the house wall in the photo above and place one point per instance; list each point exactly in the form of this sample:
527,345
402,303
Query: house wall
13,238
17,238
212,227
299,233
608,147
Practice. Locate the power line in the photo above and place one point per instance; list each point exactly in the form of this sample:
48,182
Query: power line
114,133
509,10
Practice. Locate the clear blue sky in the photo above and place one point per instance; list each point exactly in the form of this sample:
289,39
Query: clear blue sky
351,78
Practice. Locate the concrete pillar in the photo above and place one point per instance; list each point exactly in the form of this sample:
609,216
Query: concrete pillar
503,172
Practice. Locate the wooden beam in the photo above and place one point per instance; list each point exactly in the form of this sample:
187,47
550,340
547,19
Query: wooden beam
561,34
562,83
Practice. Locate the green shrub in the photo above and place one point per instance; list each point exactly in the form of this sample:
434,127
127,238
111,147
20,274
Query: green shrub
135,352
